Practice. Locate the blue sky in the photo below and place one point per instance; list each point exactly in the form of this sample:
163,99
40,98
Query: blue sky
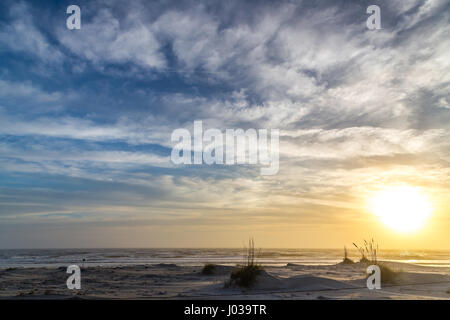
86,117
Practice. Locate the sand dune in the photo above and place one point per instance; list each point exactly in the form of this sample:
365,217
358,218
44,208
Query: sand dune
165,281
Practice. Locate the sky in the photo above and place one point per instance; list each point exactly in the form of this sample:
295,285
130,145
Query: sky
86,118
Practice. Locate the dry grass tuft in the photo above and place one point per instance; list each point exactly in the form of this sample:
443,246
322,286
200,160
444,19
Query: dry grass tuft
369,255
368,252
208,269
388,275
245,276
347,260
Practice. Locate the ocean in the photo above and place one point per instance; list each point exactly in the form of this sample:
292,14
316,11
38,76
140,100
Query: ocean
116,257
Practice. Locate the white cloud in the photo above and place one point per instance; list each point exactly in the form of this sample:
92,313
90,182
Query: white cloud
345,99
148,130
23,35
364,142
26,90
107,39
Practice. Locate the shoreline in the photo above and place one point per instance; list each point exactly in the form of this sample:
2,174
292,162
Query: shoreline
170,281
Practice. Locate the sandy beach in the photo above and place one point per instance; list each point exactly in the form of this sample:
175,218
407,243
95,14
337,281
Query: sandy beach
169,281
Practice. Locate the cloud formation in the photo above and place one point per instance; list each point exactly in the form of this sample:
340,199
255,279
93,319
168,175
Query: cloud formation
94,108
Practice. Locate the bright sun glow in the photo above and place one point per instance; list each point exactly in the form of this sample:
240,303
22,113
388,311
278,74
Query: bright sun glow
402,208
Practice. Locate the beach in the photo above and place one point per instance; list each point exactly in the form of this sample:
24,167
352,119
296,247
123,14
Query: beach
224,150
171,281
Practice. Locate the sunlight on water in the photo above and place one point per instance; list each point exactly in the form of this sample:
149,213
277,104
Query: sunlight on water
96,257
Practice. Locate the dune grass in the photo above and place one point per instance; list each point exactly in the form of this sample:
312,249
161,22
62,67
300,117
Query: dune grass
369,255
388,275
347,260
368,251
208,269
245,275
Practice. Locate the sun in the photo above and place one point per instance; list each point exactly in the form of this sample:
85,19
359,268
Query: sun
402,208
